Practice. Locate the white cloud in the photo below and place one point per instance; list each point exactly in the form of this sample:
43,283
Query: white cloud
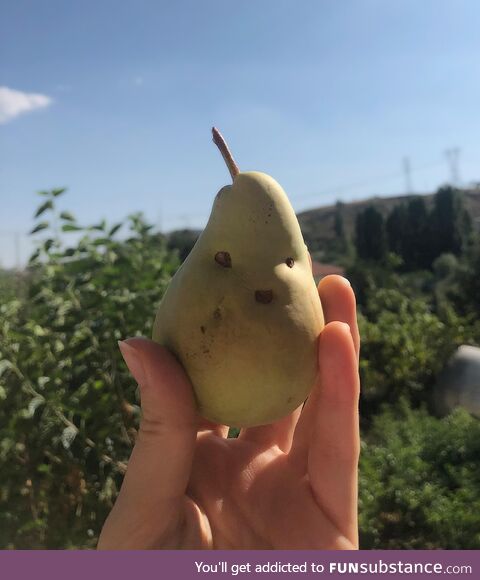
14,103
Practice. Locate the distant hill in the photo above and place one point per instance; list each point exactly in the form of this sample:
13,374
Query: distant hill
318,224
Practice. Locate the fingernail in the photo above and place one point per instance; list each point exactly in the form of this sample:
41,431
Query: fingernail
346,281
346,326
134,362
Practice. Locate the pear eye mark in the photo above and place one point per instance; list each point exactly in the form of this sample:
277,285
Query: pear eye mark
263,296
224,259
290,262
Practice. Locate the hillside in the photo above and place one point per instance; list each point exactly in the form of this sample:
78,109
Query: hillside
318,224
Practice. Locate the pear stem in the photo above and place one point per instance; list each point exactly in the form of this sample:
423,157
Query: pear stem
225,151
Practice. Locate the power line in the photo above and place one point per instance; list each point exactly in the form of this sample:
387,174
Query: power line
368,181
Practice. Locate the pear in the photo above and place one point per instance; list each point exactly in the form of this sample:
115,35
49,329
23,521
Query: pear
242,314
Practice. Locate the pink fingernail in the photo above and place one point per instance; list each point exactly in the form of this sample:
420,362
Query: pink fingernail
134,362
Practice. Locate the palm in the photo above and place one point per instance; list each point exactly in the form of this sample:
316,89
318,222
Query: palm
256,497
292,484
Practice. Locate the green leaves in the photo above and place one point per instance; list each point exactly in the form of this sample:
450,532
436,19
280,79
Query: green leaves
34,404
67,216
63,385
44,207
4,365
52,192
68,436
71,228
39,227
404,345
419,481
100,227
114,230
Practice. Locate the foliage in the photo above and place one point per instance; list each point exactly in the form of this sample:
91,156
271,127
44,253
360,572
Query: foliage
368,277
370,235
404,346
420,482
339,226
468,298
451,223
12,284
420,236
67,403
409,234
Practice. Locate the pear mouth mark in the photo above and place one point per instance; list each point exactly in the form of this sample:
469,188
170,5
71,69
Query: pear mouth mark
290,262
264,296
224,259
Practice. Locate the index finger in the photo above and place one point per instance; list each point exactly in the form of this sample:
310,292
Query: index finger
339,304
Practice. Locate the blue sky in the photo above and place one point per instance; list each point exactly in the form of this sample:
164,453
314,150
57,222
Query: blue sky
326,96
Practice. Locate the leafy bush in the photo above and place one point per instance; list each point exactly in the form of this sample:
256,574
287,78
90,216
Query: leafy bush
67,403
404,346
420,481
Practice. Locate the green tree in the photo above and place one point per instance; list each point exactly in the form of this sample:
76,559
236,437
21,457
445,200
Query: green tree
451,226
409,234
416,246
339,226
370,235
396,225
469,294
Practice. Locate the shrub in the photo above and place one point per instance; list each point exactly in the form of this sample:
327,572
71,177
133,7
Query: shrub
404,346
420,482
67,403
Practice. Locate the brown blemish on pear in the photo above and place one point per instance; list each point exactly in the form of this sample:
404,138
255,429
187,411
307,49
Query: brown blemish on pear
263,296
224,259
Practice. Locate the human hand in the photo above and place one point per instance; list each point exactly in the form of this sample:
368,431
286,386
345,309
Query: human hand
288,485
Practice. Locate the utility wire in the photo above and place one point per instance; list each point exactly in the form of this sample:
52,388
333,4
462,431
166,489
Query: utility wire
366,182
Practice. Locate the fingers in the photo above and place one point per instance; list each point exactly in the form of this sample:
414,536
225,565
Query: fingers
160,464
335,444
279,433
338,302
169,421
326,441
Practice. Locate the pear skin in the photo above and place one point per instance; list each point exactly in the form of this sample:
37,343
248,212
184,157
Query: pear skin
242,314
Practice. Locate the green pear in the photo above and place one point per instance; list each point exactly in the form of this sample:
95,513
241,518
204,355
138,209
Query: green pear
242,314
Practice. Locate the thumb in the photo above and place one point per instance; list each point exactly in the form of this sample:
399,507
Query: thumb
159,467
